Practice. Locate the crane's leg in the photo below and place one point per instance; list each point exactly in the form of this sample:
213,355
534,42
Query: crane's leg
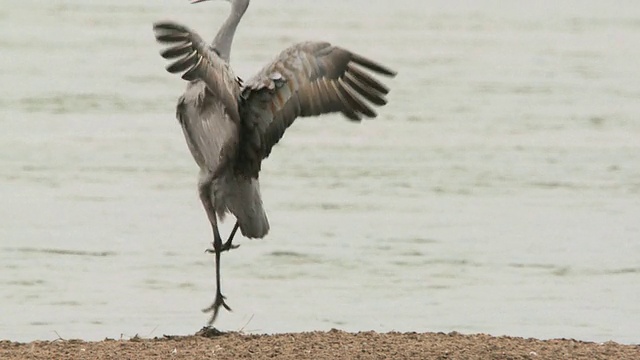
227,245
204,189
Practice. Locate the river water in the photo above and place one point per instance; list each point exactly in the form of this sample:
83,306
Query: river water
498,192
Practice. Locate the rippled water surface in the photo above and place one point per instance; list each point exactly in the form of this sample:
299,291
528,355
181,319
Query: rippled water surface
498,192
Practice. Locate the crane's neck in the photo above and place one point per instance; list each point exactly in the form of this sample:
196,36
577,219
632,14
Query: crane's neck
224,38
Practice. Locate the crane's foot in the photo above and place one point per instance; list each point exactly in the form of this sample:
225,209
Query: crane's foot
225,247
215,307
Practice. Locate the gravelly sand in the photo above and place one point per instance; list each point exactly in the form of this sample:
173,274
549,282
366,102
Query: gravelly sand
333,344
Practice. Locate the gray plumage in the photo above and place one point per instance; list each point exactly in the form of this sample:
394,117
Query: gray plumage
231,127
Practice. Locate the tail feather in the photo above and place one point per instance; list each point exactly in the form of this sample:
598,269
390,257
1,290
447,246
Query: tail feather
243,200
256,226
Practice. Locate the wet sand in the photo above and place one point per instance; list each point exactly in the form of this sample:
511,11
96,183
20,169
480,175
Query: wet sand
321,345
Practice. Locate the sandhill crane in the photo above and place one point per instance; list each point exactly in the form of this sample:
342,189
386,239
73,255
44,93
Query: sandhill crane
231,126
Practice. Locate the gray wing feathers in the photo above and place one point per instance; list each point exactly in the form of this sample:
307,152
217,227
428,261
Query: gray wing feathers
307,79
208,111
198,61
212,136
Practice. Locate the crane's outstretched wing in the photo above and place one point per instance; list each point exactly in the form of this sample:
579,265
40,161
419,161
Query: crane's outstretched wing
198,61
307,79
208,111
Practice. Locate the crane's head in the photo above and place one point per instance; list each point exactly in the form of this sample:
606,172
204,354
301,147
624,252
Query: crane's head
238,6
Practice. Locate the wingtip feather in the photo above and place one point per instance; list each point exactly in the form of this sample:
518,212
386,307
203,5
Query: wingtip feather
186,63
373,66
177,51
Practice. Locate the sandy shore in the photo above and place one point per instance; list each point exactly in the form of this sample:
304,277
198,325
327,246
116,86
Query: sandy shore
333,344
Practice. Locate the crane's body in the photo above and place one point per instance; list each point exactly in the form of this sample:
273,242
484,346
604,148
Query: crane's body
200,115
230,127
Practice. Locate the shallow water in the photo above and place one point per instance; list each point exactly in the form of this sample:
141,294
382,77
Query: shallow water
498,192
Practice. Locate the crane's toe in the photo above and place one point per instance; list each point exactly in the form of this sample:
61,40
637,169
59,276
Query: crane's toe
215,307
